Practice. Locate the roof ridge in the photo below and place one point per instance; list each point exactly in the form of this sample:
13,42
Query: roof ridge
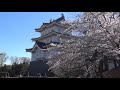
56,20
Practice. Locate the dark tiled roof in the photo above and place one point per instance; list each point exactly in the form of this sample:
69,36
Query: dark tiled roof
45,23
29,50
62,18
53,43
50,33
56,42
41,45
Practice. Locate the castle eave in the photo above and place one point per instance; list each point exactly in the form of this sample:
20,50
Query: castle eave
49,34
34,39
37,29
29,50
50,25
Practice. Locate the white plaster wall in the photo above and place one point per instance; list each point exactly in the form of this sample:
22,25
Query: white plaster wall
52,52
44,54
47,40
39,54
46,31
55,39
58,29
55,28
52,38
61,30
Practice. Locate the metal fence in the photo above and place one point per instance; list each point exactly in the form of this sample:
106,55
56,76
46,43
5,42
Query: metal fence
6,75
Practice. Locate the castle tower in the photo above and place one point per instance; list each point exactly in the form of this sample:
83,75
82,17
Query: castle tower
44,45
48,39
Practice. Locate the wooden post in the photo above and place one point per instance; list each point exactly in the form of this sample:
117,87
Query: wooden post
45,75
115,64
40,75
28,74
106,63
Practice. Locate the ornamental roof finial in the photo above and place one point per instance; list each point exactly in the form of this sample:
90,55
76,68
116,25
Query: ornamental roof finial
62,15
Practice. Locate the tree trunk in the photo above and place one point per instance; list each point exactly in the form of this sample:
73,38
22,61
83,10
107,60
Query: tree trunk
106,63
100,69
118,61
115,63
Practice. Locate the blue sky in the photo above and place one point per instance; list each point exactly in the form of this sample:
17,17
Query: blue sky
17,29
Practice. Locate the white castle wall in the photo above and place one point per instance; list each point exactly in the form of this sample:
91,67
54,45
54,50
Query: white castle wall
39,53
43,54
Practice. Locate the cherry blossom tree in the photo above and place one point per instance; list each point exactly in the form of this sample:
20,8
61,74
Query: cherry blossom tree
89,54
3,58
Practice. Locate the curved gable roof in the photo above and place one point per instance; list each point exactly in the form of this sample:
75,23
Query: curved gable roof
41,45
38,44
62,18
